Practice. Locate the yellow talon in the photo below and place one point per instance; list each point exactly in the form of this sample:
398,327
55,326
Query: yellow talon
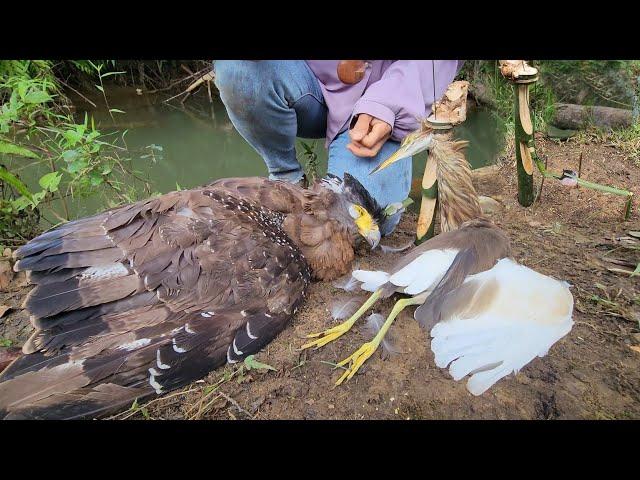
328,336
361,355
357,358
335,332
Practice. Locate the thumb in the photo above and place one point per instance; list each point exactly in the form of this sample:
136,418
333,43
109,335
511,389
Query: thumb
361,128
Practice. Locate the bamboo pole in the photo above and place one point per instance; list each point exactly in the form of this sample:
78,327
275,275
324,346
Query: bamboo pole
524,141
447,113
522,76
429,205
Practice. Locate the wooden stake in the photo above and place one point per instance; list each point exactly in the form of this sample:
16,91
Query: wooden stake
429,204
521,75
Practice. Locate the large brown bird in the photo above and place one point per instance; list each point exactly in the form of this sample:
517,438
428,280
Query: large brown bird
148,297
488,315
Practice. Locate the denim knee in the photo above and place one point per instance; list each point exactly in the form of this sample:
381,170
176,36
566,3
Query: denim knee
235,80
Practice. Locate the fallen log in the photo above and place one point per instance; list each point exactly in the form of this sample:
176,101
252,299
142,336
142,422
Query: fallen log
574,117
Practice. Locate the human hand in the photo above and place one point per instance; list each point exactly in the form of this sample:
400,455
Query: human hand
368,135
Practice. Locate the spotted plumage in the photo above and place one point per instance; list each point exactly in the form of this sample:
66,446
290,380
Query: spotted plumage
148,297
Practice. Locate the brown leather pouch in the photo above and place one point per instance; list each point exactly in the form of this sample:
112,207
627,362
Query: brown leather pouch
351,71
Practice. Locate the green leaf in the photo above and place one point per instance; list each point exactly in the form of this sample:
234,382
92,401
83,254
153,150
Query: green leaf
111,73
636,271
37,197
178,187
5,342
72,137
50,181
100,88
37,97
77,165
21,203
250,362
70,155
15,182
12,149
96,179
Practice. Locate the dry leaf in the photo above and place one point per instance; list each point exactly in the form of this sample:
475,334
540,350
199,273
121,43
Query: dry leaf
6,252
4,309
20,280
620,270
489,205
635,348
6,275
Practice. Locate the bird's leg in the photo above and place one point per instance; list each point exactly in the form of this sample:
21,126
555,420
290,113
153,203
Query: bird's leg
361,355
332,333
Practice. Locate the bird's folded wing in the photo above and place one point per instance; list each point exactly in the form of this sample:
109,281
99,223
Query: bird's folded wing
147,298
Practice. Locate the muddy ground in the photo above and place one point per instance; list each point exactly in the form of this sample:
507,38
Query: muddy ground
577,235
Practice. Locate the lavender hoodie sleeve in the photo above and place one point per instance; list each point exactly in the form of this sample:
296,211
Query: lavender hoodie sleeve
405,93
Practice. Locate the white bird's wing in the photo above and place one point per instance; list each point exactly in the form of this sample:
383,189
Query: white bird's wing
498,321
425,271
371,280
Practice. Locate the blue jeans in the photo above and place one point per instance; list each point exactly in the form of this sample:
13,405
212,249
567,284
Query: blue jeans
271,102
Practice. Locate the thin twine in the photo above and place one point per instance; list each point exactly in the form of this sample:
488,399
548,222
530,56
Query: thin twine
433,74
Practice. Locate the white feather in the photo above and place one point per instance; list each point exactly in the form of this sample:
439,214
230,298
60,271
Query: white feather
425,271
527,315
135,344
371,279
373,325
345,308
105,271
347,283
401,248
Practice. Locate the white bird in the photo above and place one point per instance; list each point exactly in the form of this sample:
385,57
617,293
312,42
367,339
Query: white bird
488,315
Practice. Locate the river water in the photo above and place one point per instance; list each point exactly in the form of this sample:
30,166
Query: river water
191,144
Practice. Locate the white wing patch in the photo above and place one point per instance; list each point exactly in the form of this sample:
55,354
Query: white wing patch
105,271
424,272
371,279
135,344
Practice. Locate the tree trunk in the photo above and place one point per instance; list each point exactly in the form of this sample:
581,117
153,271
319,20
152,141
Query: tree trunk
574,117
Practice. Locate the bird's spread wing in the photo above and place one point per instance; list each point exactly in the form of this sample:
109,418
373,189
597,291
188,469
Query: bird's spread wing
498,321
148,297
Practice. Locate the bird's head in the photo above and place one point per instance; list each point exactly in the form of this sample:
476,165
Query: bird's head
457,196
412,144
356,208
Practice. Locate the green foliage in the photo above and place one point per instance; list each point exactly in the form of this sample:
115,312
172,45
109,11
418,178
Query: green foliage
311,170
74,159
135,408
251,363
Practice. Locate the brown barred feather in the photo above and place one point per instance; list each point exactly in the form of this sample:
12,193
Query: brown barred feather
150,296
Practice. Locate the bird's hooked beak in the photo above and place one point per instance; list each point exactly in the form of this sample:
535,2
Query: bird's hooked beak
373,238
412,144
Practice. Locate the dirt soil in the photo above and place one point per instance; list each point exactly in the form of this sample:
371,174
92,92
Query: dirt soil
577,235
